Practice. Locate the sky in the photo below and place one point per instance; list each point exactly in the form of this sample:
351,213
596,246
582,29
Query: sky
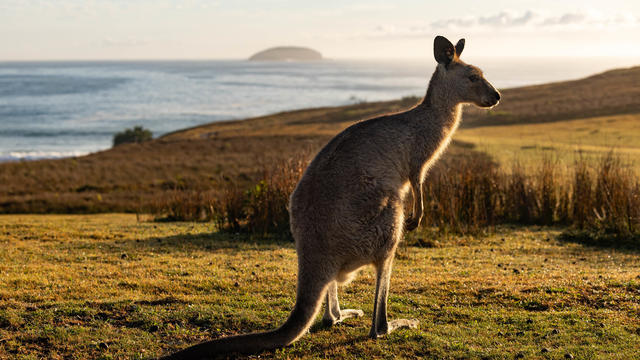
371,29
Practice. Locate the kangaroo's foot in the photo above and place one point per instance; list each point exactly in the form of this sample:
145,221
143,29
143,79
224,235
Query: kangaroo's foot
392,325
332,319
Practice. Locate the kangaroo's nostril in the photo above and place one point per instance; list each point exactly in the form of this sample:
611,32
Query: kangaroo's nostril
497,95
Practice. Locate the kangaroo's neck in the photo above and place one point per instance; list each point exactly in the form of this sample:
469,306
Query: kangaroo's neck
434,122
441,104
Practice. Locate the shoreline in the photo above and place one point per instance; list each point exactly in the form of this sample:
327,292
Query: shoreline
182,115
43,155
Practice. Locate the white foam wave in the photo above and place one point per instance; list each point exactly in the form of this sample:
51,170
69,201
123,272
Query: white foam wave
35,155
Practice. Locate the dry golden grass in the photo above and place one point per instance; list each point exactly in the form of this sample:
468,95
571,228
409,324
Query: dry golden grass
326,121
110,287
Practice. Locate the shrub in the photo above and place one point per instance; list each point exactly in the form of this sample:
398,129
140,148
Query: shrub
136,135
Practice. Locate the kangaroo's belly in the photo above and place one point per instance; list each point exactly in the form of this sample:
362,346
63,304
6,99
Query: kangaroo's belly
349,217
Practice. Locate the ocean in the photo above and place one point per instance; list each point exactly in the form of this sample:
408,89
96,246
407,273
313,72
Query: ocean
62,109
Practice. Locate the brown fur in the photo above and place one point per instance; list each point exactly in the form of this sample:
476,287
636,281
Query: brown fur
347,210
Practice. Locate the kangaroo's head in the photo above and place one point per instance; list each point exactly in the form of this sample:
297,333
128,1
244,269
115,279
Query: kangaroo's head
463,81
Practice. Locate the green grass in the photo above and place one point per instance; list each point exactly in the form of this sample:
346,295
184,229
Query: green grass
560,140
109,286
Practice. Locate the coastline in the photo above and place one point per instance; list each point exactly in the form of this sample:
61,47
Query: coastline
18,156
69,109
202,158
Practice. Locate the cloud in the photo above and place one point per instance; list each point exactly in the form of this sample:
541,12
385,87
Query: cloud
506,19
501,19
591,19
527,20
565,19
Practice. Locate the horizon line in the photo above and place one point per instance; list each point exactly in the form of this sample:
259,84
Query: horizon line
313,61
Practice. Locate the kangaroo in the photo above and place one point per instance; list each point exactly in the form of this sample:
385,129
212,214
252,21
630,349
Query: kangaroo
347,210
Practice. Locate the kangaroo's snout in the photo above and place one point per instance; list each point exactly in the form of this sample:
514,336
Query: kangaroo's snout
495,98
491,100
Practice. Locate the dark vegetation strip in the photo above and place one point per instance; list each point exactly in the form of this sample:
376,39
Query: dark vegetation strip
463,195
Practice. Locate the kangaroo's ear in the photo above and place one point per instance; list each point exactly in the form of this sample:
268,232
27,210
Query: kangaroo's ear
459,47
443,50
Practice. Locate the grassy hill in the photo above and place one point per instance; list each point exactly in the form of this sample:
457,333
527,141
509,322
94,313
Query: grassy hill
562,141
594,113
609,93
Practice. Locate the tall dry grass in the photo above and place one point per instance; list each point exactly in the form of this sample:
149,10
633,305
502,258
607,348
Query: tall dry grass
460,195
475,194
616,196
186,205
267,202
260,209
464,195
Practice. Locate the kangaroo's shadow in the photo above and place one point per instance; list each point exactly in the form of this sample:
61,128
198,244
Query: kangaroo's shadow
321,348
212,241
595,242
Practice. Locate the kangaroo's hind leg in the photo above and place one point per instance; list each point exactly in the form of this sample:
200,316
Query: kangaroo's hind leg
333,315
389,224
381,326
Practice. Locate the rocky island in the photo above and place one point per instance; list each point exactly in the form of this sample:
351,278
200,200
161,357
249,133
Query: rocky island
287,53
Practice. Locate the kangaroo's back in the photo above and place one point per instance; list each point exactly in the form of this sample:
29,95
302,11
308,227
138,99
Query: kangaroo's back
360,154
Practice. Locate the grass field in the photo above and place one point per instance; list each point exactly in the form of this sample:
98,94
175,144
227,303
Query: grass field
562,140
111,286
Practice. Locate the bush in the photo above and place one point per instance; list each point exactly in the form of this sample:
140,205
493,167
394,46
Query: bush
616,199
136,135
263,208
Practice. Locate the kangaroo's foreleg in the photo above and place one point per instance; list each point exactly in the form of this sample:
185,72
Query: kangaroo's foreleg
381,326
418,206
333,315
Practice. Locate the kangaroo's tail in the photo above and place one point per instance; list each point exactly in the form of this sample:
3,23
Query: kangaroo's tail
308,302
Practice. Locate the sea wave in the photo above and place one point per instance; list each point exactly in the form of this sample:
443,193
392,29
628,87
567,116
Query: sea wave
36,155
54,133
14,85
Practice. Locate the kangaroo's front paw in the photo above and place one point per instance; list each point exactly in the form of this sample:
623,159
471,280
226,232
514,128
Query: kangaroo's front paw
411,223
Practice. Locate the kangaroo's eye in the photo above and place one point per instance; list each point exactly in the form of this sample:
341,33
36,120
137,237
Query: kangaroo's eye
474,78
